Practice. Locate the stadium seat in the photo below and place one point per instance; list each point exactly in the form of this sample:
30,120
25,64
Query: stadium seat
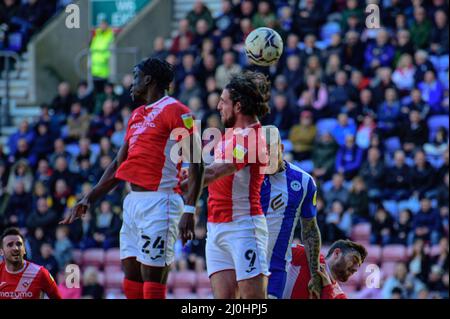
435,122
393,253
77,256
204,293
202,280
392,144
185,279
361,233
112,257
388,268
183,293
373,254
326,125
114,279
171,280
94,257
112,268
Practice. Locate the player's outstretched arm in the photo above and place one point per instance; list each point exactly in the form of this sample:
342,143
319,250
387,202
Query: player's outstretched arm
107,182
194,188
312,242
311,238
216,171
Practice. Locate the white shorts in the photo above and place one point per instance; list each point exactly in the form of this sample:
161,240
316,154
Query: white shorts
150,227
240,245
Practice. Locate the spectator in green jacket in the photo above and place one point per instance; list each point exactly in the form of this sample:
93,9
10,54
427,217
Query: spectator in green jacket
200,11
323,156
263,17
421,29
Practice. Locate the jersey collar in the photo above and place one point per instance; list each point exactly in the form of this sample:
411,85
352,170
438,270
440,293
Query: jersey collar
154,103
25,264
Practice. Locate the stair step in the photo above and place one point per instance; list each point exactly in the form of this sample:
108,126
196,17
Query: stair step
15,92
22,74
14,83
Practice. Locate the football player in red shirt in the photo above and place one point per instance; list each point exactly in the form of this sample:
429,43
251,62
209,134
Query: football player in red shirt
236,246
19,278
342,261
153,210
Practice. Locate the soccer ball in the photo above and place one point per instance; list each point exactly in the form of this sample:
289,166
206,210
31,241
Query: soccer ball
263,46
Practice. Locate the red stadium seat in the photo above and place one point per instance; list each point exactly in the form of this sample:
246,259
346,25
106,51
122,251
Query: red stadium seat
204,293
112,257
183,293
361,233
112,269
185,279
77,256
202,280
394,253
114,280
94,257
373,254
171,280
388,268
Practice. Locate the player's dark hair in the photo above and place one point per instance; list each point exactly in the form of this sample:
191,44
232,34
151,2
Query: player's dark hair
161,71
252,90
11,231
347,246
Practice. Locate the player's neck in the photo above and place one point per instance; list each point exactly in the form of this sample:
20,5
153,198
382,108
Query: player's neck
153,97
245,121
328,269
15,268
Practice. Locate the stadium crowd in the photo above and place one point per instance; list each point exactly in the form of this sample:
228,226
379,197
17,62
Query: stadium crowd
365,111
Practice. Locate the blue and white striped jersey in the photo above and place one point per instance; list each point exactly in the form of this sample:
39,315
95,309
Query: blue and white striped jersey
285,196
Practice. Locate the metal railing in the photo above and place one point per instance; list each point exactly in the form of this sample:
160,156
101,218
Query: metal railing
5,116
86,54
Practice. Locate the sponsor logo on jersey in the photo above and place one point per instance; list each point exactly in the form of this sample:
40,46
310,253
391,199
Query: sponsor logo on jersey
16,294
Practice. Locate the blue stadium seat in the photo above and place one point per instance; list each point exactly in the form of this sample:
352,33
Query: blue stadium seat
435,122
326,125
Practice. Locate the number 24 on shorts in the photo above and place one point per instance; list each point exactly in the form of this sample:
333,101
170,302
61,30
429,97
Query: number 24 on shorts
158,243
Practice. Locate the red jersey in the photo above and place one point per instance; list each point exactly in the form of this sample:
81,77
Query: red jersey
31,282
238,194
149,145
298,276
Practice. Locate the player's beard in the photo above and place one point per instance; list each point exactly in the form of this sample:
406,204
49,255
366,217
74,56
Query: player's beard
230,121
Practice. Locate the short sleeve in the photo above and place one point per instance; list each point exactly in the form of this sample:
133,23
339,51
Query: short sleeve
308,209
49,285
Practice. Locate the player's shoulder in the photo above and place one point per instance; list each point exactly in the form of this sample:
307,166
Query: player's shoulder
174,105
296,172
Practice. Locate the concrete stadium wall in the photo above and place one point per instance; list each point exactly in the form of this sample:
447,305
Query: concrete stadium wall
153,21
53,52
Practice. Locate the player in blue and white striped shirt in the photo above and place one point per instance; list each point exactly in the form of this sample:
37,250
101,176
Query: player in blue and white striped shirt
288,195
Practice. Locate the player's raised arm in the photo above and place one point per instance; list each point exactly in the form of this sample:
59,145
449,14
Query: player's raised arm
107,182
311,238
194,189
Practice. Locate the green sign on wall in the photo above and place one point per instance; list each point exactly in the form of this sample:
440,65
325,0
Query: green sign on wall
116,12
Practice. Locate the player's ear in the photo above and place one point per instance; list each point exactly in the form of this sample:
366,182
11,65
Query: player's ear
237,107
147,79
282,147
337,252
